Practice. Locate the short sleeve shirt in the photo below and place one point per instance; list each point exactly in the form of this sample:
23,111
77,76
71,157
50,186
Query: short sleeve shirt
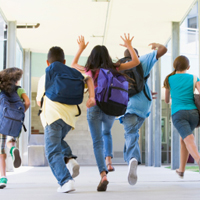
181,91
139,104
21,91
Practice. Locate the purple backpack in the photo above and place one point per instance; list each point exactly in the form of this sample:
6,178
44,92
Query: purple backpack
111,93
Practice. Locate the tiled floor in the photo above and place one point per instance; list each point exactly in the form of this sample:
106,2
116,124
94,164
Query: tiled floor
28,183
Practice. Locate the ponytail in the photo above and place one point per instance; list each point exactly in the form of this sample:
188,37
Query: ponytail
166,81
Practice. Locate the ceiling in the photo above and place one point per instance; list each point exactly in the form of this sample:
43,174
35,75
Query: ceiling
62,21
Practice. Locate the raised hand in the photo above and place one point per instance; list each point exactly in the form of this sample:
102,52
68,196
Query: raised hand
127,40
81,42
154,45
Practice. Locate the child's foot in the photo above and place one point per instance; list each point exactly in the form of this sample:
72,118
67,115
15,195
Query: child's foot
67,187
132,171
103,184
15,157
73,167
110,167
3,182
180,174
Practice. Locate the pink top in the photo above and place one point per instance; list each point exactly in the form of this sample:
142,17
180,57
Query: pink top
89,73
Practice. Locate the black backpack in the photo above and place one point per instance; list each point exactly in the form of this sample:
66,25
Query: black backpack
137,80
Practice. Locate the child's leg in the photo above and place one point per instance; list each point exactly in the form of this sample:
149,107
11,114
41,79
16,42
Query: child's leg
3,179
107,138
184,156
191,147
53,136
3,165
3,155
69,158
11,144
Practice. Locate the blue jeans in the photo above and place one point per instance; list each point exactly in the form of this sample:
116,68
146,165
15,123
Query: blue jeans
132,124
100,128
56,149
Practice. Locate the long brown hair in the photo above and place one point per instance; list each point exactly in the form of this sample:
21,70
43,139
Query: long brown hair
181,63
9,78
100,58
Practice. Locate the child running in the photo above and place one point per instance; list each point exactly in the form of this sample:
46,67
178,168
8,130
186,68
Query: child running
184,112
9,79
100,123
58,119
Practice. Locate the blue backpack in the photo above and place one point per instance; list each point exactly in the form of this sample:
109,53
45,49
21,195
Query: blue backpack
11,114
111,93
64,84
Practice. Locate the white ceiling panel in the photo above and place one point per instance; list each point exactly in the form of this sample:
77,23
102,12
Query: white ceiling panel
62,21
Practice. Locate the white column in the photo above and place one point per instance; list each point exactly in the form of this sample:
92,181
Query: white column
175,141
149,130
11,45
158,109
24,138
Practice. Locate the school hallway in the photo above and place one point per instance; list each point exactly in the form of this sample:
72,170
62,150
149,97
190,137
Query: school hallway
38,183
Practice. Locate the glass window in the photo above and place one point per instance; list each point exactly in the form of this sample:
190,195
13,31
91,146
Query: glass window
3,43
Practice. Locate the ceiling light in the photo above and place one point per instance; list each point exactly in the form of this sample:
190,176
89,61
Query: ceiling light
101,0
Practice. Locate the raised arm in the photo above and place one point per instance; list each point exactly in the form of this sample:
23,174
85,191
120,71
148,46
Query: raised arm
161,49
134,58
82,46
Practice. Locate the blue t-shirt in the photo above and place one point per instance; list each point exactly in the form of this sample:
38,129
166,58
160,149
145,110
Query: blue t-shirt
139,104
182,94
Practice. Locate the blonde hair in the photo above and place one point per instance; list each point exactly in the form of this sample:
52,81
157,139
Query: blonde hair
181,63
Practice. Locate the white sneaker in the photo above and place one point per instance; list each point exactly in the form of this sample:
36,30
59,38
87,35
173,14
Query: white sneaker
132,171
67,187
73,167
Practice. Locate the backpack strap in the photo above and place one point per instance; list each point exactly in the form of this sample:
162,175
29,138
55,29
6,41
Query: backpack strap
145,78
79,111
42,100
24,127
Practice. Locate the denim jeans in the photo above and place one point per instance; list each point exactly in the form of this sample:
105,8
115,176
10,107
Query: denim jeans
185,121
56,149
132,124
100,128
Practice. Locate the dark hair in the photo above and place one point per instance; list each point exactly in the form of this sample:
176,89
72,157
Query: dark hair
100,58
55,54
127,53
9,78
181,63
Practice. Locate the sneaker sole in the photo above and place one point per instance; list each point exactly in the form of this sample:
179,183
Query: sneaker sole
70,191
2,186
67,191
16,158
132,174
75,171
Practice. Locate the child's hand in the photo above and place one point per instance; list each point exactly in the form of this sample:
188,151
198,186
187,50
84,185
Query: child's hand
154,95
81,42
127,40
91,102
154,45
